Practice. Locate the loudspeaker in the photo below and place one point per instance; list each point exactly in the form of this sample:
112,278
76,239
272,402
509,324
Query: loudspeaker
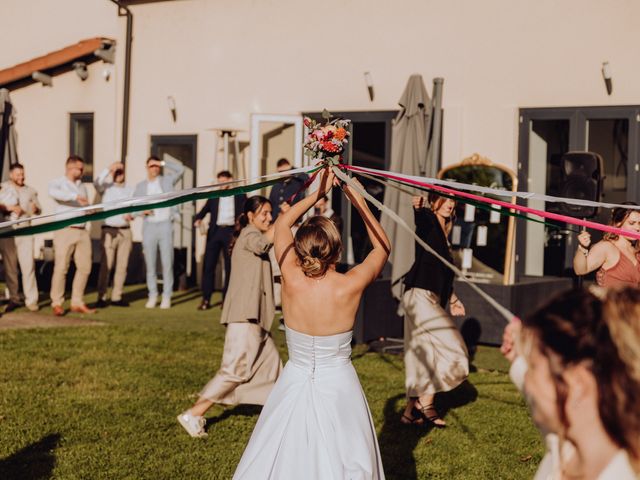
582,180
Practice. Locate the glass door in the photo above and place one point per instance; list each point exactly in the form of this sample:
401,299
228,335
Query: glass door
545,135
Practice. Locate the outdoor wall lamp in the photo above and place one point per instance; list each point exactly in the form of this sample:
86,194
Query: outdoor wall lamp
369,81
172,106
106,52
43,78
606,74
81,70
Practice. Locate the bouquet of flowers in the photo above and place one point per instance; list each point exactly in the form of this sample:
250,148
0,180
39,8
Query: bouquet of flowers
326,140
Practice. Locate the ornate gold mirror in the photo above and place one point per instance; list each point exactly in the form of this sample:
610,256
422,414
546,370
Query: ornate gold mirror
482,240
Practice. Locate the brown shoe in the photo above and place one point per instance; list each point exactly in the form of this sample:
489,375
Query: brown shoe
58,311
82,309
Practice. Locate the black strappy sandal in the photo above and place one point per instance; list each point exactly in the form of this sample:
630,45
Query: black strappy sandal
417,418
431,415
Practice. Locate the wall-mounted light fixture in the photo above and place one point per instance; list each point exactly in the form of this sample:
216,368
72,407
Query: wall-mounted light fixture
606,74
369,81
81,70
107,51
43,78
172,107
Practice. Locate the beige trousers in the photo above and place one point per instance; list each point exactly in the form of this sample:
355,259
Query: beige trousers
435,355
10,264
249,369
70,242
116,248
24,245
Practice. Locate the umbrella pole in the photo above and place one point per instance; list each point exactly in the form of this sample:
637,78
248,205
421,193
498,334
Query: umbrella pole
433,165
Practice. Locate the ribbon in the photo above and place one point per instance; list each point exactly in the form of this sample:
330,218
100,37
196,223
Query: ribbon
344,178
406,179
502,193
136,204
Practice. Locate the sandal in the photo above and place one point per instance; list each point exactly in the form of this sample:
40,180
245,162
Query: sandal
416,418
430,414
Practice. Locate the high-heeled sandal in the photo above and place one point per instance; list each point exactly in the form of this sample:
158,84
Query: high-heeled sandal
430,414
416,418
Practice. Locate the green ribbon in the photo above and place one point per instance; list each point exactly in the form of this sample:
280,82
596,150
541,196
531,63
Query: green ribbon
89,217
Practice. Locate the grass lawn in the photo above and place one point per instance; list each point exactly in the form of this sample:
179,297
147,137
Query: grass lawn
100,402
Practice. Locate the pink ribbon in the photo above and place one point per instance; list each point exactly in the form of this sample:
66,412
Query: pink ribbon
533,211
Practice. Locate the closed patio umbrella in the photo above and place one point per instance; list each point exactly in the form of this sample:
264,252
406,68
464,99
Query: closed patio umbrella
410,154
8,152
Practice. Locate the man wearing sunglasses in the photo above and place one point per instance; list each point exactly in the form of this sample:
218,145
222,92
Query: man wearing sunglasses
157,230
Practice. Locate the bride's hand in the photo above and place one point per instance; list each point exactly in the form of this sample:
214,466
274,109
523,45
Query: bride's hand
327,178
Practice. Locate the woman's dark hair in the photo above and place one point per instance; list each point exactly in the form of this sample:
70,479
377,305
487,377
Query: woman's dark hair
578,327
618,217
253,205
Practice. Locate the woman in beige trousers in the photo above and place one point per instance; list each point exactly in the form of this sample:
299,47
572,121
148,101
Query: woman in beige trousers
250,362
436,358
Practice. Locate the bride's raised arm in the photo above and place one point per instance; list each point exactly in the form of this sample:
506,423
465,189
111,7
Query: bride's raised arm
367,271
283,236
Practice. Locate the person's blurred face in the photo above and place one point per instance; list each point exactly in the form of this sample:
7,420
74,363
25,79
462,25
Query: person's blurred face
632,224
224,179
75,170
284,167
539,390
262,218
118,176
446,208
153,169
17,176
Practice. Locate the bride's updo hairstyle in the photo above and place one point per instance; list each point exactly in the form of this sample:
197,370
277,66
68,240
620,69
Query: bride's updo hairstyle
318,245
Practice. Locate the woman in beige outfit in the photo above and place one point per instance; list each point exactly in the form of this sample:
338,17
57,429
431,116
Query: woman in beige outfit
435,355
250,362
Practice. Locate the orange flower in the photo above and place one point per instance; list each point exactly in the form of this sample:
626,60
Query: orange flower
330,147
340,134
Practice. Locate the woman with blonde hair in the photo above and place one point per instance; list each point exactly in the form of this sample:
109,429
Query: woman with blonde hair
435,355
615,257
582,383
316,423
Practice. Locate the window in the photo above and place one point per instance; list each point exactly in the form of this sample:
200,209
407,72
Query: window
81,141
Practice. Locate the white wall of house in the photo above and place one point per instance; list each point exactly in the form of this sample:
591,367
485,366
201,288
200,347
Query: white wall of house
223,61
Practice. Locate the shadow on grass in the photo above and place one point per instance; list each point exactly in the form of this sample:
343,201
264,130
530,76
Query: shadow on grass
35,461
238,410
398,441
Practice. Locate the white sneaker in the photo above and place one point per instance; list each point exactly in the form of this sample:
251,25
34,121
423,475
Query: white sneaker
194,425
151,303
165,304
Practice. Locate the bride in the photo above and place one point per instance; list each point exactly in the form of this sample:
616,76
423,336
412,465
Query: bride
316,423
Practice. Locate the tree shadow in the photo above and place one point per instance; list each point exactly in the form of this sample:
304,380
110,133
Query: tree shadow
35,461
398,441
238,410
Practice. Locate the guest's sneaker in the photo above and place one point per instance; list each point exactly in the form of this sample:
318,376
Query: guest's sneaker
119,303
151,303
102,303
192,424
165,304
33,307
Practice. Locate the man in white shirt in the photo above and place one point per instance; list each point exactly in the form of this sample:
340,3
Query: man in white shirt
69,192
157,231
25,205
116,236
223,212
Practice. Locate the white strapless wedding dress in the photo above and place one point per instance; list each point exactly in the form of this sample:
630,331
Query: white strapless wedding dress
316,424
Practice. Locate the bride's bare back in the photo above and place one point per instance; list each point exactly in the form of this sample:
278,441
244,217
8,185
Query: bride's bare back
318,300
